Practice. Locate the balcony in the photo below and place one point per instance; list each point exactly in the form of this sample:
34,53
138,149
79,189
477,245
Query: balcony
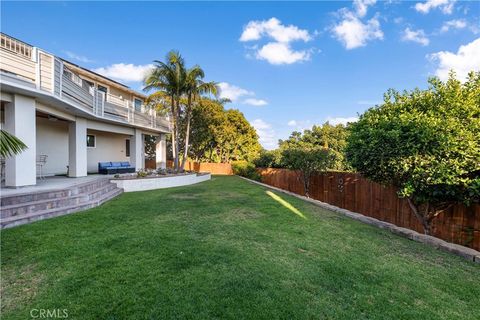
29,66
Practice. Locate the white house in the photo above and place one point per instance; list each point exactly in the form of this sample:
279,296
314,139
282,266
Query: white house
70,116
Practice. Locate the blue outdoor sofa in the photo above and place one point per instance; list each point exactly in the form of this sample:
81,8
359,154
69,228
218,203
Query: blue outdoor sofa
115,167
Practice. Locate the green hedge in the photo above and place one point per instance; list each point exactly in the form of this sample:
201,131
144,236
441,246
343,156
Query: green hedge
245,169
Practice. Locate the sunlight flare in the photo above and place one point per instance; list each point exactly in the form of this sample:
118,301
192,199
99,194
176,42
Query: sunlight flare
285,204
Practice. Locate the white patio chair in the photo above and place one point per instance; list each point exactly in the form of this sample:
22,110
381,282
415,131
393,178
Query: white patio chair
41,161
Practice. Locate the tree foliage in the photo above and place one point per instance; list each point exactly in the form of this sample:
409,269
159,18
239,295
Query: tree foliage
424,142
178,89
10,145
308,160
219,135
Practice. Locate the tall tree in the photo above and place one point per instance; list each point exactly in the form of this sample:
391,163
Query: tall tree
169,77
195,87
424,142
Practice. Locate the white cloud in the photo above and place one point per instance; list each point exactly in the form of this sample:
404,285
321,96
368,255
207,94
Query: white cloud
465,60
415,36
340,120
74,56
265,133
273,28
292,123
280,50
445,5
255,102
232,92
235,94
361,6
354,33
281,53
453,24
125,72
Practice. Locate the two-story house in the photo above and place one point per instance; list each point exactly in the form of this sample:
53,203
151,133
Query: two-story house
69,117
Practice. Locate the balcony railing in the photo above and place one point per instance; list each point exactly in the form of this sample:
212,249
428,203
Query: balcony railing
16,46
107,105
29,66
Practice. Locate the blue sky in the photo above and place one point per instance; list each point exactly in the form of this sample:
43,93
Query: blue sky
285,65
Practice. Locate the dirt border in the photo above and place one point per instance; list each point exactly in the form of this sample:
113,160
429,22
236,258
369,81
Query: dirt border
464,252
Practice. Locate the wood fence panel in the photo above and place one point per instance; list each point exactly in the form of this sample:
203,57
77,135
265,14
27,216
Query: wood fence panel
459,224
213,168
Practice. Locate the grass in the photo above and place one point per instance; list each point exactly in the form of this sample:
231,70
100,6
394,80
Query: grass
232,250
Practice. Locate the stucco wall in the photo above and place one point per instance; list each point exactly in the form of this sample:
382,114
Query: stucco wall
52,140
109,147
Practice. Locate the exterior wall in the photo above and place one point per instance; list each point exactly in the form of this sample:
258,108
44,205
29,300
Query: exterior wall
143,184
17,64
108,147
46,74
52,140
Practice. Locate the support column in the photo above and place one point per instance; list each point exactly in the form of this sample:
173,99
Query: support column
77,148
137,150
21,170
161,152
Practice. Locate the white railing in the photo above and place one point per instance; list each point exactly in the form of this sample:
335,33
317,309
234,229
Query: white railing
16,46
50,74
108,106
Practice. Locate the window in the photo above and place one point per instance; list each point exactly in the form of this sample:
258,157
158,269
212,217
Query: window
127,148
90,141
103,89
138,104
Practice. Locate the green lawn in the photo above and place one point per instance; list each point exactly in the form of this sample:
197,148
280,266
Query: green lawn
227,249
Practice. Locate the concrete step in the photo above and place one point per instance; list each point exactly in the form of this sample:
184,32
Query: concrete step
51,203
55,212
52,194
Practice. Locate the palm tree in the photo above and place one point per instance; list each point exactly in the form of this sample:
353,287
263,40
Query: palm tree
170,77
10,145
195,87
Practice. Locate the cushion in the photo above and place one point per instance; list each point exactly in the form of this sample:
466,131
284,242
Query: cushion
125,164
104,164
116,164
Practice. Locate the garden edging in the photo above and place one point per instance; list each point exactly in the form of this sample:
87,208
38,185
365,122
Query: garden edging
467,253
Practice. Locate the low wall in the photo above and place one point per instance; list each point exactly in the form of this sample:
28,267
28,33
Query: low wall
211,167
143,184
459,224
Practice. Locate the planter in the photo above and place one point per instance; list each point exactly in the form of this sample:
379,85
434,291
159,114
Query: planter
159,182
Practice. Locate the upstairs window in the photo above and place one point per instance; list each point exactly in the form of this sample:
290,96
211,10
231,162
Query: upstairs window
137,104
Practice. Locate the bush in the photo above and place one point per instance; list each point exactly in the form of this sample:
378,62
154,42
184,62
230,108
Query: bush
246,169
268,159
425,143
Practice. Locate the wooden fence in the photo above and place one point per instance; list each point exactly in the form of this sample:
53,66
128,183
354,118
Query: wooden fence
459,224
213,168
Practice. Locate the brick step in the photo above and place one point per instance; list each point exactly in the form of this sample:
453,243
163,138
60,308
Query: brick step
52,194
50,203
55,212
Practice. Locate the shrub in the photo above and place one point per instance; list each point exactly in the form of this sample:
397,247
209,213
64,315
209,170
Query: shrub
268,159
425,143
245,169
141,173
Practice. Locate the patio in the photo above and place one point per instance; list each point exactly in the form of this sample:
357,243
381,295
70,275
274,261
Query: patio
51,184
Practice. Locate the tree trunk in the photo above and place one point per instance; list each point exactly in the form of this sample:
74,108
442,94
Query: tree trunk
306,184
173,133
187,132
423,219
177,146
